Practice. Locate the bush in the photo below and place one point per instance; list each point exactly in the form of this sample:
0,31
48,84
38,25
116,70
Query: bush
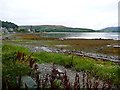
11,68
103,69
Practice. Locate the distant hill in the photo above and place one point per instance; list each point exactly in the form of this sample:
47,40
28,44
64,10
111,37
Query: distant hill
110,29
6,24
55,28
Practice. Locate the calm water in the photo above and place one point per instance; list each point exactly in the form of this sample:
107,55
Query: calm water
81,35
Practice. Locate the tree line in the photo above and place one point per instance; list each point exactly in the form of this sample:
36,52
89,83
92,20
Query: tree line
6,24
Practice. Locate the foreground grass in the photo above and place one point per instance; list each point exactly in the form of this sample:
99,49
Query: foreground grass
10,68
102,69
105,70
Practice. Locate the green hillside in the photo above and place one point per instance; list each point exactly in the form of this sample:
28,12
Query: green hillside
111,29
6,24
55,28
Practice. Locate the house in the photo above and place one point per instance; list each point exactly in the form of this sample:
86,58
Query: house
4,30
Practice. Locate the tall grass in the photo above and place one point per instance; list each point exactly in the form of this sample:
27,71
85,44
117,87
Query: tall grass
105,70
11,68
11,48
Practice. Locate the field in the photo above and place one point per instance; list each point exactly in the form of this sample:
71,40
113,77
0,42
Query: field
104,70
100,69
92,45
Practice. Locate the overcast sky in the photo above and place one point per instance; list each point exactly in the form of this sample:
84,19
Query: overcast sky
94,14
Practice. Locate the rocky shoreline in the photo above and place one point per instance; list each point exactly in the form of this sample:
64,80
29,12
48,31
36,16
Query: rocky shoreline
115,59
105,57
46,68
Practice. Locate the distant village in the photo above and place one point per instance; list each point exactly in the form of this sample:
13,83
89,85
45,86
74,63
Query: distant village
9,27
4,30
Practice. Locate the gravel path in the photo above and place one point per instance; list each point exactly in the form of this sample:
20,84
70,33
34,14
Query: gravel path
46,69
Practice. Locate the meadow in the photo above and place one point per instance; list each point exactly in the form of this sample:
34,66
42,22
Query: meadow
87,45
104,70
13,68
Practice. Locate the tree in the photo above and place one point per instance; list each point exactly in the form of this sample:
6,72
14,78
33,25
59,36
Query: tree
8,25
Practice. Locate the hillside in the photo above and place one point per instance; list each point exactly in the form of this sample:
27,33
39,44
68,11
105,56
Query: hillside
111,29
55,28
6,24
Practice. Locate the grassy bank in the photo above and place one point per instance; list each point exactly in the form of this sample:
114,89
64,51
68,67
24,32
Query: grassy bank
103,69
12,68
98,68
87,45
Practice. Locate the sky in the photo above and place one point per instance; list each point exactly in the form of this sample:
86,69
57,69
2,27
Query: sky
94,14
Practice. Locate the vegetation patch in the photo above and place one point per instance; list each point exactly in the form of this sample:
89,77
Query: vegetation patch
110,50
14,65
104,70
87,45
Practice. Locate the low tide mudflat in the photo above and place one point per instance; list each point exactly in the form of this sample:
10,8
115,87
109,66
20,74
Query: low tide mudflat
104,46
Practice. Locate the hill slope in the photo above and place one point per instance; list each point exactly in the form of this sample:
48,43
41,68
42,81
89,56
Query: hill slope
55,28
111,29
6,24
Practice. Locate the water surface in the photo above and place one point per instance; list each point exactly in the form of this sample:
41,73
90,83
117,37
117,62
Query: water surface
83,35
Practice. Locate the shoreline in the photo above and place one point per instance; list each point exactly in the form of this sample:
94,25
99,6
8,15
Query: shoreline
79,46
37,36
115,59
